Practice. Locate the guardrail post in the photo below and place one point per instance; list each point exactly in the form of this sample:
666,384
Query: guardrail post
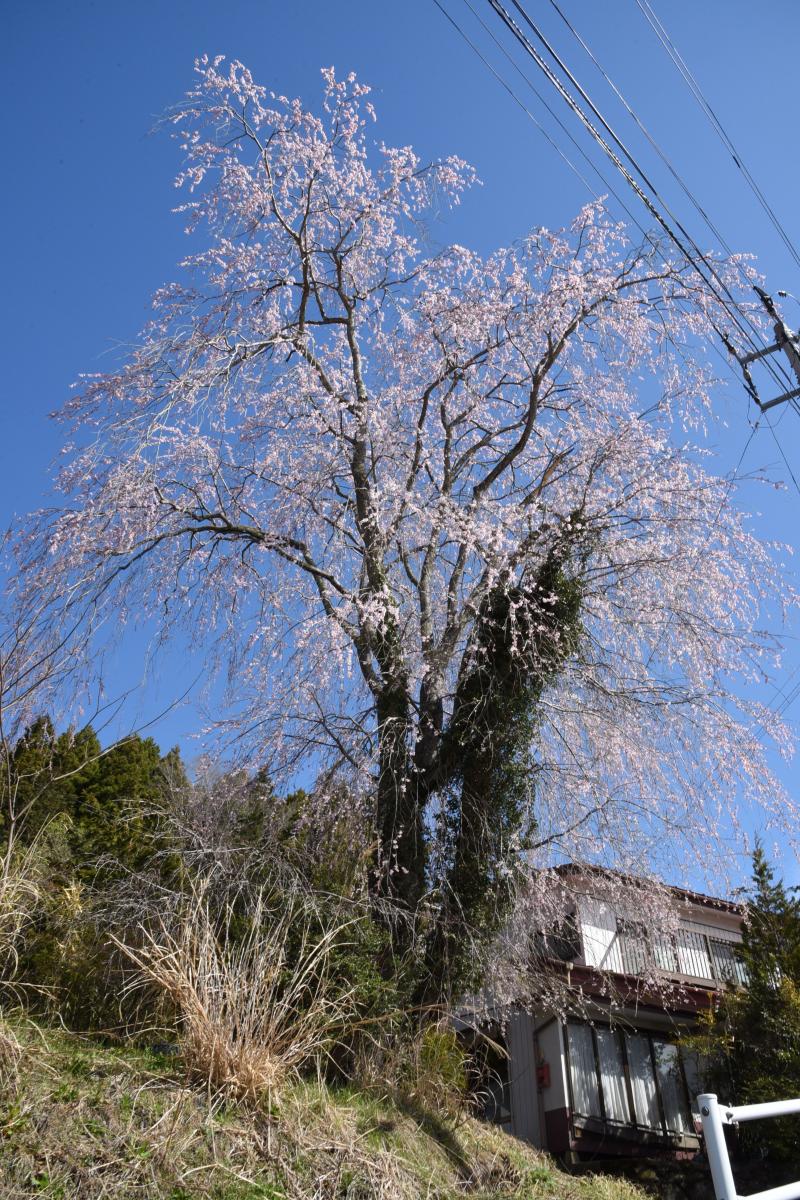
716,1147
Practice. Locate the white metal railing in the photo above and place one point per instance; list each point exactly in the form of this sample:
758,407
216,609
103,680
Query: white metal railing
715,1117
689,952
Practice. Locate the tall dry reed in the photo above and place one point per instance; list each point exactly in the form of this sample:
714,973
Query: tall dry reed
253,995
20,897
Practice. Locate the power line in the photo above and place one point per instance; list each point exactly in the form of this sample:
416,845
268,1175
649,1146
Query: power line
736,315
734,312
607,185
739,315
503,83
781,382
694,87
658,28
655,145
673,171
782,453
726,298
783,700
641,125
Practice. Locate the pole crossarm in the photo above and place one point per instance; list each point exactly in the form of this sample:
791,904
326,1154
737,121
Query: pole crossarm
786,342
715,1117
765,404
748,358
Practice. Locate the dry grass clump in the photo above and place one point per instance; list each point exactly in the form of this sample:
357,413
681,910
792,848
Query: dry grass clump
253,997
343,1144
20,897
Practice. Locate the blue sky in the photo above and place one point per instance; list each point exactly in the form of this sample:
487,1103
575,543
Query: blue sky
88,191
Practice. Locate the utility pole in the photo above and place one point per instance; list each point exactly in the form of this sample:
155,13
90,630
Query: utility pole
786,342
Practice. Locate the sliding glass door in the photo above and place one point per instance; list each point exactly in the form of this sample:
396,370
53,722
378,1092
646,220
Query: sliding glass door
628,1077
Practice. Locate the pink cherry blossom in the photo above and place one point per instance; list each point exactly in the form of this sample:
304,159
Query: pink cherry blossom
330,443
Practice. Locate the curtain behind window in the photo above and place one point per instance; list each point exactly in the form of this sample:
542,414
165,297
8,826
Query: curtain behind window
670,1082
583,1071
643,1081
612,1076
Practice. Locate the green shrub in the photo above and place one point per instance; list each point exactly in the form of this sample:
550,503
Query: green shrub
751,1040
430,1069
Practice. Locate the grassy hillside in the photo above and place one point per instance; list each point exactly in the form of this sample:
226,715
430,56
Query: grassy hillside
82,1121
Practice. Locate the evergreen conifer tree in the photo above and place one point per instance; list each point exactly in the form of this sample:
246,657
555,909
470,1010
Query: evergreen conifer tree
752,1042
116,814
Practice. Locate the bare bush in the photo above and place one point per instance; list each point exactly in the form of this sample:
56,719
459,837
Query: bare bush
20,897
20,894
254,1005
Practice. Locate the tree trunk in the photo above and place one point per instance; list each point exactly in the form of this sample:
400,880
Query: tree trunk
400,870
521,639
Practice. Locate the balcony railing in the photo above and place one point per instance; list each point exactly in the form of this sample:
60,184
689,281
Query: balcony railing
688,952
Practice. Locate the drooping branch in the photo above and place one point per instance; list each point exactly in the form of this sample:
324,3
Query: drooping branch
385,487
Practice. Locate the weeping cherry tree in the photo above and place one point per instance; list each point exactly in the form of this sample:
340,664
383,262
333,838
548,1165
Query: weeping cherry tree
444,522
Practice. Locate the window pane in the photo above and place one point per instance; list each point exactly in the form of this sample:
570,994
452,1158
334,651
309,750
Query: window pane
643,1082
727,966
693,954
670,1081
583,1071
692,1069
612,1076
664,953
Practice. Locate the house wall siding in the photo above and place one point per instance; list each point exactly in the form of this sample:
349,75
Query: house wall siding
522,1078
550,1042
554,1099
598,925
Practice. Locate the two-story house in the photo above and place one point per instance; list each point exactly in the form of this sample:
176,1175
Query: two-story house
610,1077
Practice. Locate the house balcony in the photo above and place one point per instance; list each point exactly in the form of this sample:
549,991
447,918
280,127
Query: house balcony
690,954
699,949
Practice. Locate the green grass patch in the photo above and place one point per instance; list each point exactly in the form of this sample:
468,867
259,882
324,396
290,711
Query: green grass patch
87,1121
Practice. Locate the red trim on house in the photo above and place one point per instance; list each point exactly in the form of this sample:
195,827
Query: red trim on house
557,1131
631,991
